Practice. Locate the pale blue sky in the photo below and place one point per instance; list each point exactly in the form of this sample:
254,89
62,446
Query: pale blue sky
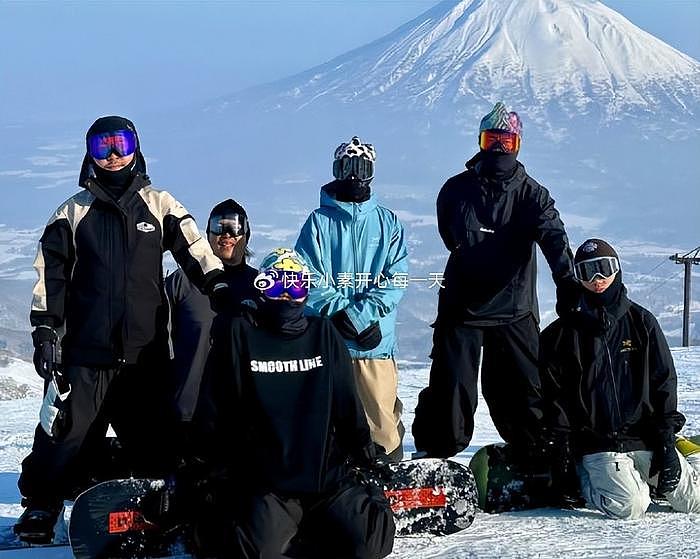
68,60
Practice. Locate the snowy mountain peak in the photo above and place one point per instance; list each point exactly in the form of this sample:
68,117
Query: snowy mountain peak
578,54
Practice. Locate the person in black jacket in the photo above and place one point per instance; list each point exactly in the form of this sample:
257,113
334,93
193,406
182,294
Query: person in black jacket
278,421
191,316
490,218
609,379
99,315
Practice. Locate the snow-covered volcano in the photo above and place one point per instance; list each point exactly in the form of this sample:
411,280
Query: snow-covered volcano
573,56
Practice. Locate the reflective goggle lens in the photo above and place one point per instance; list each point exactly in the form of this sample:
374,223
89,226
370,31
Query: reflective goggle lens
274,284
353,167
232,223
605,266
509,141
121,142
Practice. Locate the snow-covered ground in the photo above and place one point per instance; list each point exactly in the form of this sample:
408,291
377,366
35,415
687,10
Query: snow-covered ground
528,534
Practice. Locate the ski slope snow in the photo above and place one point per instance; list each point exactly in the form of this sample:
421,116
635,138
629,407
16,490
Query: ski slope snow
539,533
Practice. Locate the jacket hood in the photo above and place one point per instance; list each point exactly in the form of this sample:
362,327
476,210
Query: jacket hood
329,200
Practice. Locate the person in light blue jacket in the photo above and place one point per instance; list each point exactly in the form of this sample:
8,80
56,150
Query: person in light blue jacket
356,250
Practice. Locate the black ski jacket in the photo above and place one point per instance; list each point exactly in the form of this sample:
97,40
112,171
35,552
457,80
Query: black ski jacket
609,377
190,325
284,407
100,270
491,228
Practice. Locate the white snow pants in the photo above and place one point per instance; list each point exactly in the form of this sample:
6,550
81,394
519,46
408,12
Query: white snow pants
616,483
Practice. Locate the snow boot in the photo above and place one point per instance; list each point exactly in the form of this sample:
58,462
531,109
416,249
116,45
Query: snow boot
37,522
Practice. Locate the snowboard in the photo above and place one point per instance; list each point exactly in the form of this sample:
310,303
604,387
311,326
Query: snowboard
502,487
122,518
431,496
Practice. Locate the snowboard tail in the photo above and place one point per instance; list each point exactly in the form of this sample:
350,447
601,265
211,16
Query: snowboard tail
431,496
121,518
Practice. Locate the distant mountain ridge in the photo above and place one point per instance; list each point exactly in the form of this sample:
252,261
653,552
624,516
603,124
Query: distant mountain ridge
548,57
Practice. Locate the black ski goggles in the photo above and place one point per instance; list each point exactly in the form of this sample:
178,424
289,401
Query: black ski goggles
353,167
234,224
603,267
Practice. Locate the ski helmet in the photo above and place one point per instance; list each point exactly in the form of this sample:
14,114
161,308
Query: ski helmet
354,159
283,271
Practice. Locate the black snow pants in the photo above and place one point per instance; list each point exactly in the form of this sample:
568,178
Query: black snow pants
354,522
132,400
444,419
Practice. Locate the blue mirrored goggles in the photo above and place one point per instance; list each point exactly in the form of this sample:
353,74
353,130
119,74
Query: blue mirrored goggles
603,267
275,283
121,142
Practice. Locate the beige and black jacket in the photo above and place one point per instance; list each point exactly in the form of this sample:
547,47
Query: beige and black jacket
100,270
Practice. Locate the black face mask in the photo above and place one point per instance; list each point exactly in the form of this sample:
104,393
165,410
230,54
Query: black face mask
285,317
496,164
352,190
115,182
608,297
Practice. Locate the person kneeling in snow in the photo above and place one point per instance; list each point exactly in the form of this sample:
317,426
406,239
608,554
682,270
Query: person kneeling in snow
277,425
609,377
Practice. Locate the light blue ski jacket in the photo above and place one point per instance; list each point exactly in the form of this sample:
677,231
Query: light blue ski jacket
357,256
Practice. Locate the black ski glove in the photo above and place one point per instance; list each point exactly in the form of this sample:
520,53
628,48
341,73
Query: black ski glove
666,463
569,297
344,325
221,299
370,337
44,338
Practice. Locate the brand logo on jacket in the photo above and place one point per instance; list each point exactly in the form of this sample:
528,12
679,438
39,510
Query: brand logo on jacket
290,366
627,346
485,230
145,227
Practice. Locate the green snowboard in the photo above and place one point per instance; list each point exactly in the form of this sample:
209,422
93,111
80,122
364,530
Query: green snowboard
502,487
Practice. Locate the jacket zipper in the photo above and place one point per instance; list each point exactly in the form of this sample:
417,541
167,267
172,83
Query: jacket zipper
354,246
612,377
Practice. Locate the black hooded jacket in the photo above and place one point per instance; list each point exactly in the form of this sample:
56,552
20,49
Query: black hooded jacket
491,228
287,404
609,377
100,269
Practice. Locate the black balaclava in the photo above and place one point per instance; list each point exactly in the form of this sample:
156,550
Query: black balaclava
352,190
607,298
497,164
284,317
229,205
116,182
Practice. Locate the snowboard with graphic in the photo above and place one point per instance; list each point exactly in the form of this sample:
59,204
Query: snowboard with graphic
431,496
123,518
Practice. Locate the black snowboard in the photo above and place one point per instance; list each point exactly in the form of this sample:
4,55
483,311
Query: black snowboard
122,518
503,487
432,496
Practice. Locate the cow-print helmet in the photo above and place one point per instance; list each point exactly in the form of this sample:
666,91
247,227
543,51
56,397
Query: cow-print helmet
355,148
